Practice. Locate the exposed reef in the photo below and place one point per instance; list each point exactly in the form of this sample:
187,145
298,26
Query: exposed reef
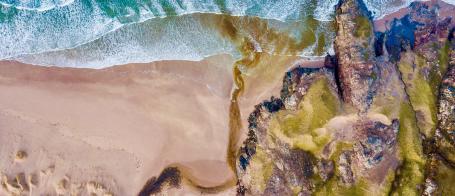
378,119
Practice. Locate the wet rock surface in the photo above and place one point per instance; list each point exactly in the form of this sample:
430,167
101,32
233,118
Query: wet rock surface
383,125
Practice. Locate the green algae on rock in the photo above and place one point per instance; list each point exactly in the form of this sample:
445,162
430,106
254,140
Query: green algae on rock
277,125
376,148
419,91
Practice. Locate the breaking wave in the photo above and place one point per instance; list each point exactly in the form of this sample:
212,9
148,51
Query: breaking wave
109,32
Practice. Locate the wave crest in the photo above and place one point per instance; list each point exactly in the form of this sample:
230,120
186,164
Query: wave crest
48,26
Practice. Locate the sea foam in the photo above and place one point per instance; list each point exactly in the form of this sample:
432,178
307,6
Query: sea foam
189,37
100,33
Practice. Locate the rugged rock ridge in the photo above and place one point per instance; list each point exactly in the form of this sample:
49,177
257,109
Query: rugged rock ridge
353,46
275,166
441,165
446,114
356,126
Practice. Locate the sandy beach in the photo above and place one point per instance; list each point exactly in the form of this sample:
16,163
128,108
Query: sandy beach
108,131
117,127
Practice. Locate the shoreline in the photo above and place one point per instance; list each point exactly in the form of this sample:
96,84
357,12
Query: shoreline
147,114
111,111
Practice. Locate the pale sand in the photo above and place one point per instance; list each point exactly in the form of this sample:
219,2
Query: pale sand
117,126
121,126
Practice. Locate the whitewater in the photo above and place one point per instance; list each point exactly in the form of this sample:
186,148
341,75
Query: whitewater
100,33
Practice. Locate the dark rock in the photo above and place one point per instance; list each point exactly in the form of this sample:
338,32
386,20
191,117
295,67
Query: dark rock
325,169
273,105
400,37
330,62
344,167
379,44
375,140
169,176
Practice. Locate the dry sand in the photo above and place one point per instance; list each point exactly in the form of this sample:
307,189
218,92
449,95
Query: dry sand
117,126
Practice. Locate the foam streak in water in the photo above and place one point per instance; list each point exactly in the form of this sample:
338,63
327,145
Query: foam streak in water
190,37
46,27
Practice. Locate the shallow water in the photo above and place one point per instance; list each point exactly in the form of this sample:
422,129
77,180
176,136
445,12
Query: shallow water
100,33
192,37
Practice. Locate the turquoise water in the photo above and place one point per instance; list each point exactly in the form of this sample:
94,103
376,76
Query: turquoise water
188,37
33,29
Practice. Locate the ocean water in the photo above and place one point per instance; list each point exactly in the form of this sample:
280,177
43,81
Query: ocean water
450,1
100,33
191,37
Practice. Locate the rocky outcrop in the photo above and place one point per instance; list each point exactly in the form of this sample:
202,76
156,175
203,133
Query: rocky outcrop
353,46
169,177
446,116
269,163
441,165
377,119
356,126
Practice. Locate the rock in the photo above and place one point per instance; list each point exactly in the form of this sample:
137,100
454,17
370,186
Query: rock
20,156
353,47
288,152
169,178
325,169
273,165
446,114
344,167
374,141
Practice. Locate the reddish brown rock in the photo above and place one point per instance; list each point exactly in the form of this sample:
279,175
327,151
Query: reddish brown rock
354,48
